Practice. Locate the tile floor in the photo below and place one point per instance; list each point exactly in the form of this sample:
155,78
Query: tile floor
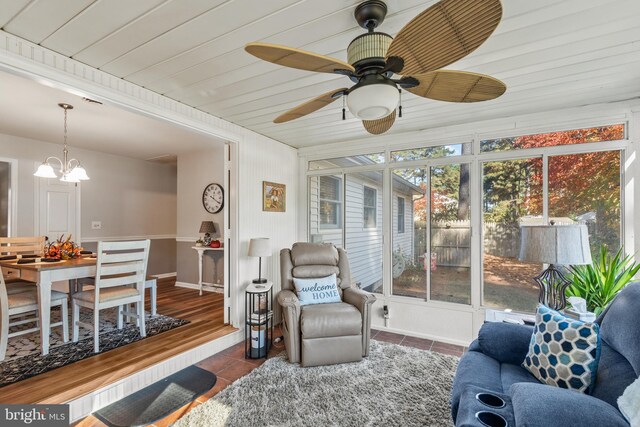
230,364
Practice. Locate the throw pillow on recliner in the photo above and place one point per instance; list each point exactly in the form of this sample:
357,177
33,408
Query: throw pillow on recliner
320,290
563,352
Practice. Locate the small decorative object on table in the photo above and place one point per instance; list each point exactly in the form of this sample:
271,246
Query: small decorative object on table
259,247
62,248
199,243
208,228
215,244
554,245
258,331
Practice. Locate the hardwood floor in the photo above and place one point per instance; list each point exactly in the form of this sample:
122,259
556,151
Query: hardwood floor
230,364
64,384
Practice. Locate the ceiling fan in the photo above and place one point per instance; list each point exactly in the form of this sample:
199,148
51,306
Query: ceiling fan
442,34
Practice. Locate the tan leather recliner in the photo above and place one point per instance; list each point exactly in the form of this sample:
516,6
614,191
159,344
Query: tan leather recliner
323,334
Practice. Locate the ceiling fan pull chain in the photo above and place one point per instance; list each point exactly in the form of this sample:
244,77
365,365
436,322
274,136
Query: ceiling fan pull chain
344,111
400,104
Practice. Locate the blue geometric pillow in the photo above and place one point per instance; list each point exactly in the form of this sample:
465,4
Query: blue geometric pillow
564,352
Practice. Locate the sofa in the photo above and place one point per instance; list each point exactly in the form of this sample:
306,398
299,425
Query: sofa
493,364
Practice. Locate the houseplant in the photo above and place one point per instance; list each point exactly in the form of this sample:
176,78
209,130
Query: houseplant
599,282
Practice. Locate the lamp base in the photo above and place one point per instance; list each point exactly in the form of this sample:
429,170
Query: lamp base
262,281
552,285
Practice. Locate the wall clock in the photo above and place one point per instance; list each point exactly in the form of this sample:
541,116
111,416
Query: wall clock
213,198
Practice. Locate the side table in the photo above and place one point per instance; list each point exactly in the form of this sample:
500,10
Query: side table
258,330
201,250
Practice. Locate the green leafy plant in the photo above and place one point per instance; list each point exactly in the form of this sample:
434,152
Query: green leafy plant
601,281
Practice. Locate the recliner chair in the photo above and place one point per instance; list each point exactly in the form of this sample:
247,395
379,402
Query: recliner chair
323,334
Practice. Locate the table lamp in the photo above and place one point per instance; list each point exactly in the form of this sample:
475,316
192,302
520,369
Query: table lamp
207,227
554,245
259,247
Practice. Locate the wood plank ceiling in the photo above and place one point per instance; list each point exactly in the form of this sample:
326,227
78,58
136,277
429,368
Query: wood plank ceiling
550,53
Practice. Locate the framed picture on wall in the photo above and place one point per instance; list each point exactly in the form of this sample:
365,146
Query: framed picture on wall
274,197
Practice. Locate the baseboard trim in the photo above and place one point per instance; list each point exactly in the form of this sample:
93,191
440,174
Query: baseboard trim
165,275
196,287
85,405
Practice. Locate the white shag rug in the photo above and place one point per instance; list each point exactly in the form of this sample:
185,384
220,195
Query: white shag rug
394,386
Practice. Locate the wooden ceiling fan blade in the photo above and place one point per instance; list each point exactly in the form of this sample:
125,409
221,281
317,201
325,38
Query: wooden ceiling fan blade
380,126
444,33
296,58
310,106
457,86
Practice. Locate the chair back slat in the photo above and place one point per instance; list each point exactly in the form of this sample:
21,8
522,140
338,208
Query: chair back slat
21,245
120,268
117,257
121,280
121,263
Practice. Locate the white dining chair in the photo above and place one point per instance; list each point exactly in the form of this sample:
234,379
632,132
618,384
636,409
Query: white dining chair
19,246
20,303
121,269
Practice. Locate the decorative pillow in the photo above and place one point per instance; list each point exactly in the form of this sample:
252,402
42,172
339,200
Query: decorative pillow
564,352
321,290
629,403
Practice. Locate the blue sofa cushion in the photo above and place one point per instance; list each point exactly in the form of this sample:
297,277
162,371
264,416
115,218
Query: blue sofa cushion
564,352
505,342
619,325
538,405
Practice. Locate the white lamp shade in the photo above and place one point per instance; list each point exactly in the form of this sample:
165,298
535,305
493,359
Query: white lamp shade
259,247
374,101
45,170
555,244
79,173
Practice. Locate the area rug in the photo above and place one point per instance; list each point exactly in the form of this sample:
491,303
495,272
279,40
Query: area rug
394,386
23,359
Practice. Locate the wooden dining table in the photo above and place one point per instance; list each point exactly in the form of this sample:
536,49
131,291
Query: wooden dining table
44,274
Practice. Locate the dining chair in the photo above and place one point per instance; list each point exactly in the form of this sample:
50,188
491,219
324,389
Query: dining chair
21,303
121,269
19,246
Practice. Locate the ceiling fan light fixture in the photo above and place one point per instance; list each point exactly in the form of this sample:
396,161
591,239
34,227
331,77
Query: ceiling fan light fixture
373,101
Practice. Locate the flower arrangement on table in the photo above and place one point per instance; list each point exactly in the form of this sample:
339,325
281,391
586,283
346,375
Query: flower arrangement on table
62,249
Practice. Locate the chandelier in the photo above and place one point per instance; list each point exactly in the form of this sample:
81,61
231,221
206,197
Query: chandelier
70,169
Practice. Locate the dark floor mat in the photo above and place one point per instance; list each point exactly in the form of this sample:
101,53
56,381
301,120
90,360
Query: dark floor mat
158,400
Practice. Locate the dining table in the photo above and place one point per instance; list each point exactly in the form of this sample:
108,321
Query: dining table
43,274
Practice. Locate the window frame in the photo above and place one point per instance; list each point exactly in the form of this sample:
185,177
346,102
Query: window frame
365,207
338,203
401,217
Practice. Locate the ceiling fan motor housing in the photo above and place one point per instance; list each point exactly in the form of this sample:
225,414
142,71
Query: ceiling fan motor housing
368,51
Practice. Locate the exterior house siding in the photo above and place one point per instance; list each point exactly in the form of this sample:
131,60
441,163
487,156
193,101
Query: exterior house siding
364,245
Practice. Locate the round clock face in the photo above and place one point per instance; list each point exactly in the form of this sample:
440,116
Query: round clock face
213,198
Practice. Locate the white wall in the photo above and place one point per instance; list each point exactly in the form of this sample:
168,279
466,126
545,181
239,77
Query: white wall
196,170
263,159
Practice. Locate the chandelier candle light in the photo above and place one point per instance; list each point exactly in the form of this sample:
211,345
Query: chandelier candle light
70,169
259,247
554,245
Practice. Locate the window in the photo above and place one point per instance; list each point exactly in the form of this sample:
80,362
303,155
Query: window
433,261
330,202
400,214
567,137
347,161
433,152
369,207
582,188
